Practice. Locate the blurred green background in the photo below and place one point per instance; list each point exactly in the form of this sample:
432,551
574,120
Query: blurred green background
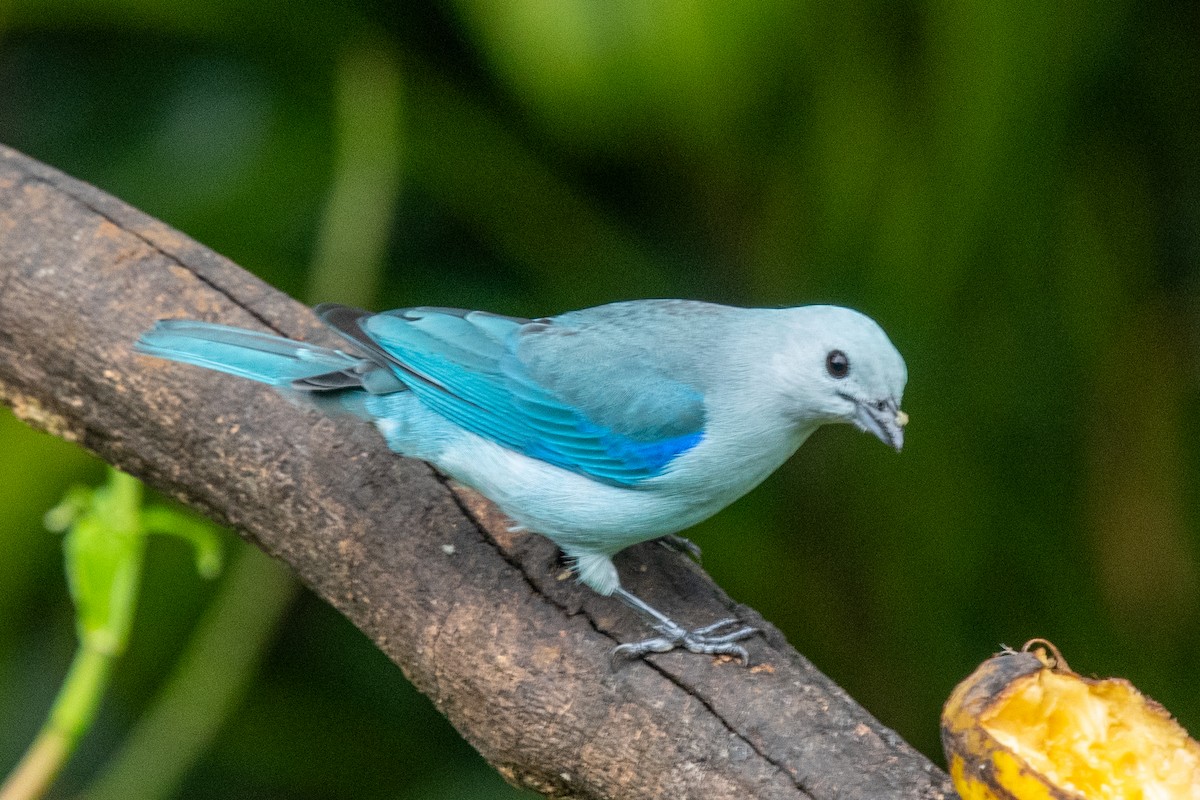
1010,188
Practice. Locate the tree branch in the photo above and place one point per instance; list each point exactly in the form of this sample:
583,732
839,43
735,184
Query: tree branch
482,620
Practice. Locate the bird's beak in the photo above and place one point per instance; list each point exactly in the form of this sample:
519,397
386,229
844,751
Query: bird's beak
884,419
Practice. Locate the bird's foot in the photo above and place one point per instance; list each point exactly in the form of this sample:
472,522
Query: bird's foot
705,641
681,545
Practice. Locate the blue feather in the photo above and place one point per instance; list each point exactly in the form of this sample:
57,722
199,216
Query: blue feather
498,377
466,367
247,354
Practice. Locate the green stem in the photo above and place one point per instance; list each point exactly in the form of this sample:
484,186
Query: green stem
72,714
352,243
209,682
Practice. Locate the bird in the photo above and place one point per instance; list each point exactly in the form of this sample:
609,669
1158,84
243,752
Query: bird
597,428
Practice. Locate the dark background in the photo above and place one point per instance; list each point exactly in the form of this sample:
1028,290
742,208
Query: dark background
1009,188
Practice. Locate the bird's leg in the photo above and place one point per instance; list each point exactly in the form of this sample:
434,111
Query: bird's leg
679,544
704,640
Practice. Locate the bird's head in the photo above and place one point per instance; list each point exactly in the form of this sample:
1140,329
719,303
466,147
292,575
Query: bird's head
841,367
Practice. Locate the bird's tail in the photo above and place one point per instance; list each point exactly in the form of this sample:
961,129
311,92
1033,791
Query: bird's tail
248,354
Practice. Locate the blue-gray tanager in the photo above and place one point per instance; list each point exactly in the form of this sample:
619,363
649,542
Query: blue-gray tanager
597,428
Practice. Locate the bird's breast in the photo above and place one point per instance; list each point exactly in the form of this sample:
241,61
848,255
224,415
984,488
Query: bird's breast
735,455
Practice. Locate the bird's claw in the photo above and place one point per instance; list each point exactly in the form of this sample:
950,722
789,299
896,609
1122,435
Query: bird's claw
704,641
679,544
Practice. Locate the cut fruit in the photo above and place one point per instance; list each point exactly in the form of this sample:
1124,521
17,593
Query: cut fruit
1023,726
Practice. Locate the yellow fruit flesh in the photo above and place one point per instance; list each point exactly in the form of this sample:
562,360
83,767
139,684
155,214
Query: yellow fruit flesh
1099,739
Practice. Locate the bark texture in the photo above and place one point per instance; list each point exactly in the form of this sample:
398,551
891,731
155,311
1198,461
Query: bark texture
484,621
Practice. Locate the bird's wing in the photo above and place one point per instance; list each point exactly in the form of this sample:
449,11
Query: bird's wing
554,392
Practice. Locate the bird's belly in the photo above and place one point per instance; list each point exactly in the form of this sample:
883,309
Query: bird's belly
574,511
570,509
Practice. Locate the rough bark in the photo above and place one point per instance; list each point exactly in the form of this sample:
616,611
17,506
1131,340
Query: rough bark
484,621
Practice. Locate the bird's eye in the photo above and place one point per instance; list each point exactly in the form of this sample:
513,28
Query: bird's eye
837,364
